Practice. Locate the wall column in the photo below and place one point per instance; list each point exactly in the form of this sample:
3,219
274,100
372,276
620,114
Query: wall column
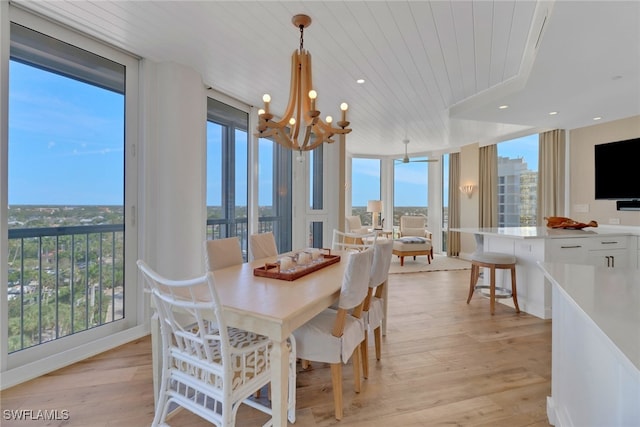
174,169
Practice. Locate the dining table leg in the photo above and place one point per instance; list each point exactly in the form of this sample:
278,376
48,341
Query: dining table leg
279,382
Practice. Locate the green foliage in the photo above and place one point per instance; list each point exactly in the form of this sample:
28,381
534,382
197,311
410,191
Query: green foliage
54,276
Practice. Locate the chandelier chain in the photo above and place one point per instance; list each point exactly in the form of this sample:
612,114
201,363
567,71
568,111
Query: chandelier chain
301,37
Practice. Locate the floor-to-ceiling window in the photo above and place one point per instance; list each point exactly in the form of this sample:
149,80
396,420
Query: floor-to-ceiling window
228,176
410,189
67,190
316,194
227,148
445,201
517,182
274,192
365,186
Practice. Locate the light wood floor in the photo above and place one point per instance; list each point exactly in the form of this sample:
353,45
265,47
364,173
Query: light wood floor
444,363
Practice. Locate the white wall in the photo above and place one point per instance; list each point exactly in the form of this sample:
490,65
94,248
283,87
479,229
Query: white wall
173,215
582,190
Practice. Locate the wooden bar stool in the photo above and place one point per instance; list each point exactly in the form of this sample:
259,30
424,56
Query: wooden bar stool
493,261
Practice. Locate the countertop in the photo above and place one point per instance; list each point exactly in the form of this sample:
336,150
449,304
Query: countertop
609,297
542,232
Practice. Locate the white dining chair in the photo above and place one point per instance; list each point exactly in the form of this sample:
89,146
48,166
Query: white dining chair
262,245
222,253
373,310
335,336
343,241
207,368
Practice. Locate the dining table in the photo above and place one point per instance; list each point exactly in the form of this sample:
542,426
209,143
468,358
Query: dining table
271,307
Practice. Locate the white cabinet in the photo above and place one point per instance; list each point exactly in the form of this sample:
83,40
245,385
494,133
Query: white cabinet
603,251
609,252
568,251
595,356
612,258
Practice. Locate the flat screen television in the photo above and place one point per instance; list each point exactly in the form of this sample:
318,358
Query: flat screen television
617,170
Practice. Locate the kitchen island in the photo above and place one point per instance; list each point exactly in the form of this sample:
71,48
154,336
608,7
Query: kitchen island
595,372
608,246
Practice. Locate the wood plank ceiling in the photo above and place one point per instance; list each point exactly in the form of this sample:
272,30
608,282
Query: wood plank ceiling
435,71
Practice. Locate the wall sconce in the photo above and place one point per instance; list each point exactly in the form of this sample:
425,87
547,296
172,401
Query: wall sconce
375,207
467,189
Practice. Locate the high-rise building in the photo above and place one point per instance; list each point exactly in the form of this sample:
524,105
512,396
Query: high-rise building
517,192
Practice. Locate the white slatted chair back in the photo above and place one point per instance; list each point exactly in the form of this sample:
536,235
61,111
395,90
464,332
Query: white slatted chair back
207,368
352,241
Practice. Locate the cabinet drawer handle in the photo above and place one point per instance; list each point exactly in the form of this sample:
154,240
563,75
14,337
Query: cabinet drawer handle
570,247
608,243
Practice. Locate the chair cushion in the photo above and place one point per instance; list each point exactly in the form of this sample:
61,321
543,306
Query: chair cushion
249,357
493,258
314,340
414,232
401,246
412,239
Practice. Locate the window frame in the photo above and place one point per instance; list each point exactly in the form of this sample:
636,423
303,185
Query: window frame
41,357
282,175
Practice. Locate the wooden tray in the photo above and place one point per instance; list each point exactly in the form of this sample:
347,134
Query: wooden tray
272,270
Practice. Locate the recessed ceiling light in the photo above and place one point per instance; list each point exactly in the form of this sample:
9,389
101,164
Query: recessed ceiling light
360,81
553,113
503,107
597,118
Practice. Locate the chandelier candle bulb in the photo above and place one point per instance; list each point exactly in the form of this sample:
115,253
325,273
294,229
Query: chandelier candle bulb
266,98
312,96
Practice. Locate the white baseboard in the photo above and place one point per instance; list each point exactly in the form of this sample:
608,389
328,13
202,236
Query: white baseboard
551,411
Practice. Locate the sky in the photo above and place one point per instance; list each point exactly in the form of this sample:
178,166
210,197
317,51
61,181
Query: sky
65,140
410,183
65,148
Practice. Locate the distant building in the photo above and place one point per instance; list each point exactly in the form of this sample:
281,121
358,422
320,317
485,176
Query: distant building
517,193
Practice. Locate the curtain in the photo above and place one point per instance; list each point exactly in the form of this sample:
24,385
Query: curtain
488,186
453,237
551,165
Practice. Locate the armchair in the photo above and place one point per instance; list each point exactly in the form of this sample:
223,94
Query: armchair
414,239
354,225
415,226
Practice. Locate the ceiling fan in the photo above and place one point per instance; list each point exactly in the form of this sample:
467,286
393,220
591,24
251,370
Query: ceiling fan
406,159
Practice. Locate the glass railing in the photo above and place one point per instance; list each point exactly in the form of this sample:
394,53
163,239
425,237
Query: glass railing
63,280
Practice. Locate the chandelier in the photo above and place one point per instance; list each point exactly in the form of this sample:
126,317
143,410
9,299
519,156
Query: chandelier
300,127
